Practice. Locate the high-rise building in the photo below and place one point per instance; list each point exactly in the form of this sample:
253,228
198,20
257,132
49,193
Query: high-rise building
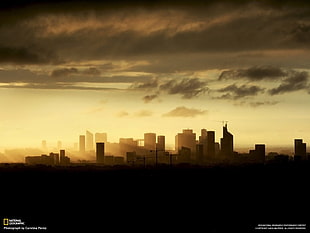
260,152
127,145
203,141
101,137
161,143
300,149
210,145
89,141
186,139
227,143
150,141
100,152
64,160
82,144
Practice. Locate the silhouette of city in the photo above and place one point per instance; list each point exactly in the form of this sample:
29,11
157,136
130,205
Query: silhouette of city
151,152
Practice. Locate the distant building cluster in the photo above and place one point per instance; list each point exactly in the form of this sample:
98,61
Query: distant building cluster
53,159
151,151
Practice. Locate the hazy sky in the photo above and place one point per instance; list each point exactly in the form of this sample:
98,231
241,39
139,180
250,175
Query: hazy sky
160,66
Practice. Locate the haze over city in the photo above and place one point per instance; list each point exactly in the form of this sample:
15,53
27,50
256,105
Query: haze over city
130,68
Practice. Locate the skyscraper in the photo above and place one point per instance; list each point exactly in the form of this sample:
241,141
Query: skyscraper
150,141
161,143
260,153
300,149
89,141
187,139
100,152
227,143
82,144
210,145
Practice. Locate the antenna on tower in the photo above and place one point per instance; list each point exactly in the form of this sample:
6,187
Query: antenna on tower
224,123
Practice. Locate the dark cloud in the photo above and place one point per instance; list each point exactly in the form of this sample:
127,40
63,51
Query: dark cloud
149,98
20,56
236,92
149,84
92,71
188,88
262,103
185,112
297,81
64,72
255,73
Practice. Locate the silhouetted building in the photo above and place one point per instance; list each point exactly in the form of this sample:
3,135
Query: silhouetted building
186,139
131,157
118,160
55,157
82,144
89,141
184,155
150,141
210,145
127,145
300,150
100,152
52,159
161,144
64,160
260,152
204,142
101,137
199,154
227,143
109,160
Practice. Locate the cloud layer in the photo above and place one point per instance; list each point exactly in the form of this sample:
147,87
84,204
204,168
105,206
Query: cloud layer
185,112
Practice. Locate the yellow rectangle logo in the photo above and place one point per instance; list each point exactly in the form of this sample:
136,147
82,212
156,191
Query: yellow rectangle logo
5,221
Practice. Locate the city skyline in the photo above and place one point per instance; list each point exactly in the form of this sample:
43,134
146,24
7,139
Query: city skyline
130,68
196,145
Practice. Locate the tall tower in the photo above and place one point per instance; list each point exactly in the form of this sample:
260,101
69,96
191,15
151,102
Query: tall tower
161,143
100,152
187,139
210,144
227,143
82,144
300,149
150,141
89,141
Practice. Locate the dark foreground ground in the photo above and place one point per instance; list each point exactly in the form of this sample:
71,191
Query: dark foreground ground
183,199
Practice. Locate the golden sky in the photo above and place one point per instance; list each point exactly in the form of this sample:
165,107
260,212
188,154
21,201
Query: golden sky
127,69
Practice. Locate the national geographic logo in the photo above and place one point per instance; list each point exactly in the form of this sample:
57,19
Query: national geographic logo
5,221
16,224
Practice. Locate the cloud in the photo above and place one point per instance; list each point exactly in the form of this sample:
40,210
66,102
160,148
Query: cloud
92,71
149,98
188,88
143,113
149,84
236,92
295,82
64,72
262,103
185,112
122,114
19,55
255,73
